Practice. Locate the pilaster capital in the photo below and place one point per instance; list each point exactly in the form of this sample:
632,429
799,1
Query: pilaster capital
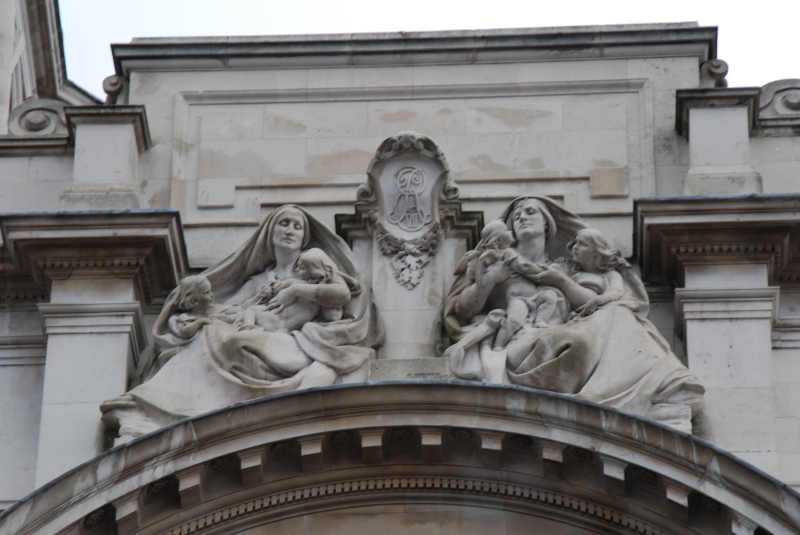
687,99
96,318
136,116
725,304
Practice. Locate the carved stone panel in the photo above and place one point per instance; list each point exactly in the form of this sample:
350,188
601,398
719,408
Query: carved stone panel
407,179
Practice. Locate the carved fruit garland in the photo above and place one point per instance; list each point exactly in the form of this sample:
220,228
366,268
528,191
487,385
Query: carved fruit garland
408,258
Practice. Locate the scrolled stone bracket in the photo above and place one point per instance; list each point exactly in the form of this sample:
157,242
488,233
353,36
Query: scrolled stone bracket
116,88
713,73
38,117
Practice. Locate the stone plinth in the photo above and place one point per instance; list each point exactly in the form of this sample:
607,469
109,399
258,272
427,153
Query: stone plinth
718,124
108,140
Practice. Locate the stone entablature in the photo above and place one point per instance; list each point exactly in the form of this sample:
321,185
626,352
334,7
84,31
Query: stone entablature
673,232
541,455
145,245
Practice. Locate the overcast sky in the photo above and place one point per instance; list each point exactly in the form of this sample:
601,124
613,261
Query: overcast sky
759,41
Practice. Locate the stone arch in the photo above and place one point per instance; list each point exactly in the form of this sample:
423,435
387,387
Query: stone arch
426,456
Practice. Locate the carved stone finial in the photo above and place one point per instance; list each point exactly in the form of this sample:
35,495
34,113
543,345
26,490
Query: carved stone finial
39,117
713,73
116,88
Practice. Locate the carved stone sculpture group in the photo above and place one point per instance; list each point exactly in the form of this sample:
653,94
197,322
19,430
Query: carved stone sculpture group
542,301
577,325
288,310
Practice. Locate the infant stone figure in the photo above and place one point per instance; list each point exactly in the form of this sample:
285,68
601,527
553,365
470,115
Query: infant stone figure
309,268
523,296
196,301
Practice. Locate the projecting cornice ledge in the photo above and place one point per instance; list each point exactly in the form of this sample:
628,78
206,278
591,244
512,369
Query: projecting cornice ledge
145,245
415,48
670,232
441,444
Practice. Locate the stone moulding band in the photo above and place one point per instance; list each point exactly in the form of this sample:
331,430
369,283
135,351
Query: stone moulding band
408,486
653,40
500,447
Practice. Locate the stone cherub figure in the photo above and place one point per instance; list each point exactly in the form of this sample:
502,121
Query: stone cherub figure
524,297
310,268
594,265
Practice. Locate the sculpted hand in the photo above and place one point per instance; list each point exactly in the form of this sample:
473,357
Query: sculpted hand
265,293
277,286
586,310
550,277
496,273
285,297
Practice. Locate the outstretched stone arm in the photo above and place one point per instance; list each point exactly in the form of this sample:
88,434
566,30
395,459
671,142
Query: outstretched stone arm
577,294
615,292
188,327
335,293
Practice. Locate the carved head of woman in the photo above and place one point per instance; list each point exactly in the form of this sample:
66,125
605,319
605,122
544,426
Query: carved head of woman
288,231
531,218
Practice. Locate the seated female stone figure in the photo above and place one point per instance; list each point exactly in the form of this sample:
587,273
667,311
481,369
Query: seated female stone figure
609,352
223,363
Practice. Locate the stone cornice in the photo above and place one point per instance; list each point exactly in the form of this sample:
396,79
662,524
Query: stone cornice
47,62
134,115
146,245
772,110
36,145
671,231
410,48
505,448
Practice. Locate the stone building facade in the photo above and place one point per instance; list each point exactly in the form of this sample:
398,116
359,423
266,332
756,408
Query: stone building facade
631,130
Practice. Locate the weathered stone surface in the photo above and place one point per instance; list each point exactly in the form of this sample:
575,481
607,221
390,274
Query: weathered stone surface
423,472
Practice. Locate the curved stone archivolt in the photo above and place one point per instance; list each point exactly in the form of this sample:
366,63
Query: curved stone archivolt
429,457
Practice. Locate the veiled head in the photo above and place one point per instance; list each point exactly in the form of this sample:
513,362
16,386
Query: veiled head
530,217
288,230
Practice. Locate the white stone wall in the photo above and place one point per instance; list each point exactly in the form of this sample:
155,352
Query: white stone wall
21,378
238,143
777,159
33,183
228,146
